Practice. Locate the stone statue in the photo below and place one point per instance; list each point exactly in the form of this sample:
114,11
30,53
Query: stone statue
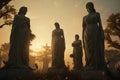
20,40
93,39
77,53
58,47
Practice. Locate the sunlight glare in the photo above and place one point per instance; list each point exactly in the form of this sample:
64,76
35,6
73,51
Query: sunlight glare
36,46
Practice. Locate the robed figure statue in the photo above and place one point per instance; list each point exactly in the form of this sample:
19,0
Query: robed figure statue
20,40
77,53
58,47
93,39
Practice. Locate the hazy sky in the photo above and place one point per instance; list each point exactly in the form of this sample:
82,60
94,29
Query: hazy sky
69,13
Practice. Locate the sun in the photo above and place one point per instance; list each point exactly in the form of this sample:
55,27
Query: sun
35,46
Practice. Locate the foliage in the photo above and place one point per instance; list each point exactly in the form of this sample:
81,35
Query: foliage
3,3
112,30
4,50
6,12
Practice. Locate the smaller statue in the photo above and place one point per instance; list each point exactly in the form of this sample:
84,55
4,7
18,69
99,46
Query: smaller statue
77,53
58,47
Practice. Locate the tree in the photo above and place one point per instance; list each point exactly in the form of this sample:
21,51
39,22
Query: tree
113,30
6,12
3,3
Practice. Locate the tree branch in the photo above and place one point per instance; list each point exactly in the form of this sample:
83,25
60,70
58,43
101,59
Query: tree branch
112,43
3,3
115,45
4,14
2,25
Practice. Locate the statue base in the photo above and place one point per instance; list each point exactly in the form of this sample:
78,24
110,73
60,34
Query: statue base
57,73
16,73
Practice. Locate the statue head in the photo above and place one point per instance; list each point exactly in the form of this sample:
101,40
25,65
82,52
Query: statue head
76,37
57,25
90,7
23,10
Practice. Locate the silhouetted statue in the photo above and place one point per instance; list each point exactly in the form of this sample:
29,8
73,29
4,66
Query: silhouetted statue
58,47
20,40
93,39
77,53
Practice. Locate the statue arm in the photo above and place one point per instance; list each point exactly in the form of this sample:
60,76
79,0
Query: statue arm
81,48
13,30
73,44
83,26
29,26
62,35
63,38
100,23
14,23
80,43
28,23
32,36
52,39
100,26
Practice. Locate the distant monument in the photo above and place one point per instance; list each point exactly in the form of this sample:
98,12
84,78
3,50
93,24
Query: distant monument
77,53
45,58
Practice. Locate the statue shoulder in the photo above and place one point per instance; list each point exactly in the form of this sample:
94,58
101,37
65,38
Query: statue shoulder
27,19
16,16
80,42
54,31
98,14
84,17
61,29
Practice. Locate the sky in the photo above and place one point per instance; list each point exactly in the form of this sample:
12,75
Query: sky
69,13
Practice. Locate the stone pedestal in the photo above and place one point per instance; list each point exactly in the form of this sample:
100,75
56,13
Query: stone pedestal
57,73
16,73
86,75
92,75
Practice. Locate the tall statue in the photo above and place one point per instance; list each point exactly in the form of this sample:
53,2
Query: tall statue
77,53
93,39
58,47
20,40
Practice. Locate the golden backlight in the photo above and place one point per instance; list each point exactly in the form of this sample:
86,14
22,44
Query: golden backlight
36,46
